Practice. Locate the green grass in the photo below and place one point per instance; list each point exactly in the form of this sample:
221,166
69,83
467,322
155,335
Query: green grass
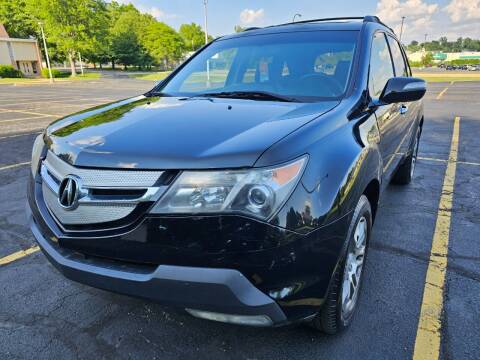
448,76
449,79
153,76
86,76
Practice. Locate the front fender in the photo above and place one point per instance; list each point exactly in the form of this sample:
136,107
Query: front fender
339,169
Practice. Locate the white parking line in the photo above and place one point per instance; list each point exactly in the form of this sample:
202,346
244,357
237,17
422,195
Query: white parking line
19,135
26,112
26,118
67,100
13,166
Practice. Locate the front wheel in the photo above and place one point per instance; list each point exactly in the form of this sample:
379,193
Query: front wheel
342,298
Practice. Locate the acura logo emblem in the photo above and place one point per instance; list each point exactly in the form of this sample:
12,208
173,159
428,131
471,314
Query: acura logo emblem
68,193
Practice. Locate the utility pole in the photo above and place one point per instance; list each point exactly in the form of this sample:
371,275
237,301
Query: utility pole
81,65
425,42
46,52
401,29
205,2
294,16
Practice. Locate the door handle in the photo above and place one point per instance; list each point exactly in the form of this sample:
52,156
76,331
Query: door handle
403,109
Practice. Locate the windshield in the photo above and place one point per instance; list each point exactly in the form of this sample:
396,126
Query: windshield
299,66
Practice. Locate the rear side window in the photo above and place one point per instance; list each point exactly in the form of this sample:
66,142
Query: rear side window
398,60
381,69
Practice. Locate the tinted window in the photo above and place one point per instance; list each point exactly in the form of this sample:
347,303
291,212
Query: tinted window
306,66
398,61
381,69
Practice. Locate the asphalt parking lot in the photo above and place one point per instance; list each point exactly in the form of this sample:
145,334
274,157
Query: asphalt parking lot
44,316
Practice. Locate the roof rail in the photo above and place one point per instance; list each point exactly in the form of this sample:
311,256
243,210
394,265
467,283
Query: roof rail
251,28
366,18
376,19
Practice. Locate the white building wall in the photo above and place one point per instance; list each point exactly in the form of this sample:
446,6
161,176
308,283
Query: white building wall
4,56
25,51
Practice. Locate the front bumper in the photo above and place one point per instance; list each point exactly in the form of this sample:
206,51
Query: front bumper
217,290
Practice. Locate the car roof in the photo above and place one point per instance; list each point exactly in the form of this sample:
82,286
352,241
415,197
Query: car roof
338,24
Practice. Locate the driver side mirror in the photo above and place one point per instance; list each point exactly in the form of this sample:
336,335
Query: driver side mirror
403,89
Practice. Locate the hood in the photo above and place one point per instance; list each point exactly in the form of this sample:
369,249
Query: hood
177,133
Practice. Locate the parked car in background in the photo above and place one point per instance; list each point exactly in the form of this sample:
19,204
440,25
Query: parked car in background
244,193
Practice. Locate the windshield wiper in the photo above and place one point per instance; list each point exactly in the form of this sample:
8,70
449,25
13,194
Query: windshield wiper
156,93
251,95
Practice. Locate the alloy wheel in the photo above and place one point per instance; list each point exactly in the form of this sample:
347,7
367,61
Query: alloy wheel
353,268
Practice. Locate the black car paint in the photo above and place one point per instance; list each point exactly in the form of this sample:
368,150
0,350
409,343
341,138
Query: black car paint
353,148
178,133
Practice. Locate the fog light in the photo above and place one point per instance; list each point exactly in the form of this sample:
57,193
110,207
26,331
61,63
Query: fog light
251,320
281,293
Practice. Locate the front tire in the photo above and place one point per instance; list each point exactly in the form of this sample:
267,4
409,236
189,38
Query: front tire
342,298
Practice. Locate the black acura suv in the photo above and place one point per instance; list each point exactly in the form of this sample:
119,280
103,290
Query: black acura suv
242,188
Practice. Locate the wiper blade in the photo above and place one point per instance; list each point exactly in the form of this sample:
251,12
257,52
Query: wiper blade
252,95
157,93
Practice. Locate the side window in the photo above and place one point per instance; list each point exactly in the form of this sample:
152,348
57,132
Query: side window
381,69
398,61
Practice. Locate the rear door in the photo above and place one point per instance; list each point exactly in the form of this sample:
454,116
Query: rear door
388,116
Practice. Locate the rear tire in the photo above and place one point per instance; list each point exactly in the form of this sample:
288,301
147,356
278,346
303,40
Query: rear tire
404,173
342,298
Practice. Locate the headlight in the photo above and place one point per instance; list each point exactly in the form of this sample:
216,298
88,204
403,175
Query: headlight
37,153
255,192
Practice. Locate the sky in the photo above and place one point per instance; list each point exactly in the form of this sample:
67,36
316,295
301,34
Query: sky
450,18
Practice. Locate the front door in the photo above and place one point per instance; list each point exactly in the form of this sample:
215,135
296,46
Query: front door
389,117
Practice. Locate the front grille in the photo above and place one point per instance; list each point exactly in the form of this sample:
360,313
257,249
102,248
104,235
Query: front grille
103,196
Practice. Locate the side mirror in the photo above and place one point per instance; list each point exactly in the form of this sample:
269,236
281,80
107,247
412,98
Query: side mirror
403,89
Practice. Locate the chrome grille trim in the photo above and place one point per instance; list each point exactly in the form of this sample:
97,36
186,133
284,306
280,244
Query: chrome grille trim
102,178
94,209
85,214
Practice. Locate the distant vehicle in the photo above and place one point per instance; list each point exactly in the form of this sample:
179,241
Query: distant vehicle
450,67
244,193
472,67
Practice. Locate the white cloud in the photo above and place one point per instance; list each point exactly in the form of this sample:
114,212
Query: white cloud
460,18
418,11
459,10
252,17
157,13
418,14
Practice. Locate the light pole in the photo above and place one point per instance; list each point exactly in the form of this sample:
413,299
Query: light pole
81,65
425,42
294,16
205,2
401,29
46,52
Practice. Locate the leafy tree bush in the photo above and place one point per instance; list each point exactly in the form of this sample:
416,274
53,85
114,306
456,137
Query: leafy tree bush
7,71
55,73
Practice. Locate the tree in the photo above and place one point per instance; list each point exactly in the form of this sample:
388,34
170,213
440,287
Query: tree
16,18
72,24
164,44
413,46
127,20
427,59
193,35
238,28
126,49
